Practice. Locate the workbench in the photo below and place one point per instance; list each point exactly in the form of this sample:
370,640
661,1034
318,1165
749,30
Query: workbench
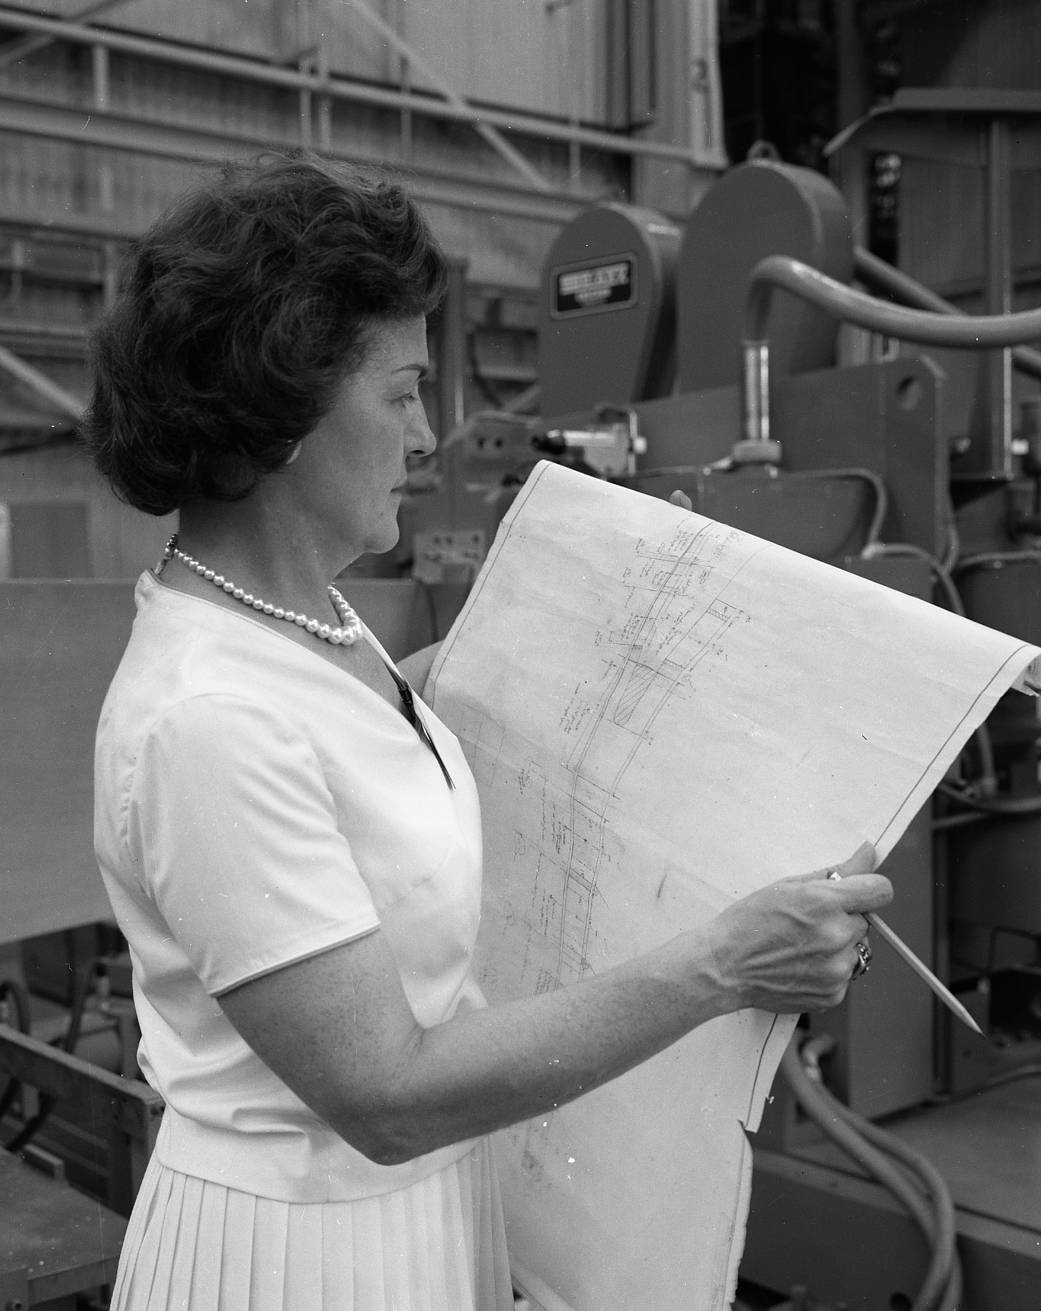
54,1241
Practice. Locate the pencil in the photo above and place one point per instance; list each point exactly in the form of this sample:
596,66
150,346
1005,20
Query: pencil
906,954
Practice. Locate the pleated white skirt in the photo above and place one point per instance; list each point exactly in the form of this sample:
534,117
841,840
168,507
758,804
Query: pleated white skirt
439,1245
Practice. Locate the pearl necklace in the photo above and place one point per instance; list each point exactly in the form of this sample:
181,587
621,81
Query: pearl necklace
348,632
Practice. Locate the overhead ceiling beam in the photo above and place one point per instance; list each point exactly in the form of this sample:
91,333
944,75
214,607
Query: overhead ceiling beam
63,223
341,88
50,393
486,131
23,47
31,116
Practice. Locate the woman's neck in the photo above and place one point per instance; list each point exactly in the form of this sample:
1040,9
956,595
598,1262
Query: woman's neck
272,555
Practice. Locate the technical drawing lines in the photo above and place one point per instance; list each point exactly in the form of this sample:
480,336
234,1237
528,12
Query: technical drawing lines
639,680
651,676
587,830
676,616
671,636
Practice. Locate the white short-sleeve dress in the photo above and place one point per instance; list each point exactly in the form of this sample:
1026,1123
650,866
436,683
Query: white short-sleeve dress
256,805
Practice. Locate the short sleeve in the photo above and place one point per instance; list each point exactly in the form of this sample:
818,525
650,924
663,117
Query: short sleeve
232,829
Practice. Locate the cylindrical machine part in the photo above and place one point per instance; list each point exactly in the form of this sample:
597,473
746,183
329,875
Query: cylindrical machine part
755,381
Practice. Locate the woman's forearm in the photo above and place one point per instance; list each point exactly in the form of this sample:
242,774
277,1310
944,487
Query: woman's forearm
339,1030
489,1068
790,947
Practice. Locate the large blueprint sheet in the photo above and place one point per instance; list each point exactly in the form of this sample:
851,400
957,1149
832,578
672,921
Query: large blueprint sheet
663,714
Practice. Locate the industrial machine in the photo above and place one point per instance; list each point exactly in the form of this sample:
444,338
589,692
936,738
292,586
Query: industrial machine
896,1168
890,1166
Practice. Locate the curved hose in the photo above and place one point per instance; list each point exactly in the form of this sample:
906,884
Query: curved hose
988,778
842,302
1012,1076
940,571
962,819
986,558
979,332
991,805
871,1147
893,282
874,528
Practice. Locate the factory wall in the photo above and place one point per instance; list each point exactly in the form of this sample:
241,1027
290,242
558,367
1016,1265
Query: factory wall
993,45
69,199
59,520
522,53
129,187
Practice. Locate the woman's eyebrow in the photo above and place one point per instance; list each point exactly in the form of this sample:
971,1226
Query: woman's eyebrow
421,369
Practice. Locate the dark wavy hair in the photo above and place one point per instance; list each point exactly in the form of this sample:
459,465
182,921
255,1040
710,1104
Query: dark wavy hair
241,312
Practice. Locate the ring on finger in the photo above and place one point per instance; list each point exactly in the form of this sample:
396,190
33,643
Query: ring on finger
863,960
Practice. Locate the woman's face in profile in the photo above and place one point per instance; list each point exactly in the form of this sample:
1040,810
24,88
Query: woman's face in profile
352,464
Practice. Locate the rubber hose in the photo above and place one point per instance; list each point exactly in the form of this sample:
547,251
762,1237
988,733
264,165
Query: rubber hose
915,1161
819,1108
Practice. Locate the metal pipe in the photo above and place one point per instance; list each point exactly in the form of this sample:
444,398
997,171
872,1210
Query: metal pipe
884,277
54,396
969,331
22,47
977,332
995,371
340,88
123,132
756,391
452,352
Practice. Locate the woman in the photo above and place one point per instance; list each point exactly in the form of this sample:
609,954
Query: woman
290,843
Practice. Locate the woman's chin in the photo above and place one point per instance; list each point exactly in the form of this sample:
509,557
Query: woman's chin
384,539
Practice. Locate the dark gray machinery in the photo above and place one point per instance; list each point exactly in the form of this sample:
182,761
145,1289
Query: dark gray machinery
614,266
863,466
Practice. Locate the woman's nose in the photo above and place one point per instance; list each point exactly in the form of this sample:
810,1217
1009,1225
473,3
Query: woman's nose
421,437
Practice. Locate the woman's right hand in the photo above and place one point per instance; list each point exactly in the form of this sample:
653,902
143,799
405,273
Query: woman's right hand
791,946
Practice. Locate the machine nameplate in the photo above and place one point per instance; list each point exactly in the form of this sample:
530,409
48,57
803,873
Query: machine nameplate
591,288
